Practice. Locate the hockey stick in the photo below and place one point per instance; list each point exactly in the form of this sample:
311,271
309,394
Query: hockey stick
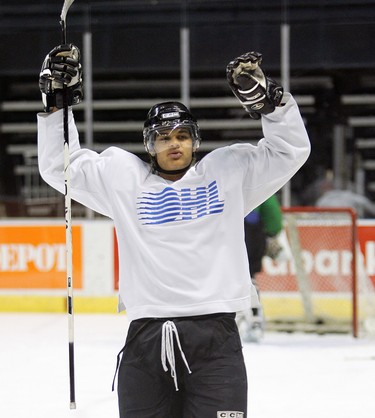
68,220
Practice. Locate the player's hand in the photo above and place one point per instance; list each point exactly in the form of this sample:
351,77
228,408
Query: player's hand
61,67
257,93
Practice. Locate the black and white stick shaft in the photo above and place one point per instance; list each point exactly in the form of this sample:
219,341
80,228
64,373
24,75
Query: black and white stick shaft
68,221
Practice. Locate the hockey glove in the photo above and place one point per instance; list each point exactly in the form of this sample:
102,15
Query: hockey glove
258,94
273,247
61,67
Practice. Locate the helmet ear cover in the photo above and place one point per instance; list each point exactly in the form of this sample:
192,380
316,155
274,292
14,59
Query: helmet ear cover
169,115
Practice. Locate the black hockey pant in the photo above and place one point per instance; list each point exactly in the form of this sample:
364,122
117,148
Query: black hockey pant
205,377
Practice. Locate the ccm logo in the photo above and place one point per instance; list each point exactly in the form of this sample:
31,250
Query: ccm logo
170,115
229,414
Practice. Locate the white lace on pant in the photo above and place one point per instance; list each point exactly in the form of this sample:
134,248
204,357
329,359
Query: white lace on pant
167,349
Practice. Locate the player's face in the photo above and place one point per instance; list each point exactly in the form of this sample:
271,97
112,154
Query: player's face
174,148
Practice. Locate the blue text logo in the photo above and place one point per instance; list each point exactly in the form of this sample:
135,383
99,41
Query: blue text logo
171,205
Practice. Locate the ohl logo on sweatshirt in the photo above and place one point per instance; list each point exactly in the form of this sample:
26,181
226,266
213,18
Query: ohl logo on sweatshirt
173,205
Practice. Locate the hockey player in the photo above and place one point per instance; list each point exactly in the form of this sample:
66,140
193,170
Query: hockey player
183,263
262,227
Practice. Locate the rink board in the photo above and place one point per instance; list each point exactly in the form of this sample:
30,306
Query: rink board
33,278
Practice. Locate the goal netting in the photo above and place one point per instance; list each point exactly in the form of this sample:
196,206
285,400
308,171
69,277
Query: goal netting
319,283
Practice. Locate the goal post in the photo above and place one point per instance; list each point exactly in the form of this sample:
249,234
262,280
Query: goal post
319,283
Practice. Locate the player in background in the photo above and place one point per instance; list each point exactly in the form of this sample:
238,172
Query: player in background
329,196
262,228
183,264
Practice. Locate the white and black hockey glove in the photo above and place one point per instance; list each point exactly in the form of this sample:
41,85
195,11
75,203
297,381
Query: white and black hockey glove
258,94
61,67
273,247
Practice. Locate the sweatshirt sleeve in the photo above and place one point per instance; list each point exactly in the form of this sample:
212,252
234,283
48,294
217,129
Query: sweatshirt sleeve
86,167
270,164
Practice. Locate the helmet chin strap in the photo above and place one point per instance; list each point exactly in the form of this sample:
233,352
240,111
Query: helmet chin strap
179,171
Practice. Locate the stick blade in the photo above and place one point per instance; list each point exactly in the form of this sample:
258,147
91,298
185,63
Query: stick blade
64,11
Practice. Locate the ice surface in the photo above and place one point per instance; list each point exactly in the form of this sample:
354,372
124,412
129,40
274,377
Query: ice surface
290,375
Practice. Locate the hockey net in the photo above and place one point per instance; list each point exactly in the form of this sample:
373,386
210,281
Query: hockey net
319,283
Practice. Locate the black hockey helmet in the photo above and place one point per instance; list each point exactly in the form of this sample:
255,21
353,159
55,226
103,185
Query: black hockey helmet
169,115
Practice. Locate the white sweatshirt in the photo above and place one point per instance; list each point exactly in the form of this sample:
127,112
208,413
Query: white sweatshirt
181,244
